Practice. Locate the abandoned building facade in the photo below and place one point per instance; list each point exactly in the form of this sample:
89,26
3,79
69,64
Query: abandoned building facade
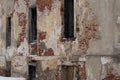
60,39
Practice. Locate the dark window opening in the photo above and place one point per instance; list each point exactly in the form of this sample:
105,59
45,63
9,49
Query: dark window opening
32,72
8,32
8,69
69,18
33,25
67,72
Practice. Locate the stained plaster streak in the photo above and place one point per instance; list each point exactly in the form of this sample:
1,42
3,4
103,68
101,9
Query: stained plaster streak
19,66
50,23
89,25
20,9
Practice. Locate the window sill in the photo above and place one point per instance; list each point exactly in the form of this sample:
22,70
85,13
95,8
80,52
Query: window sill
8,47
33,42
36,57
68,39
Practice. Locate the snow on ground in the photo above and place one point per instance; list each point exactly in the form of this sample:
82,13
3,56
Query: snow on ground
10,78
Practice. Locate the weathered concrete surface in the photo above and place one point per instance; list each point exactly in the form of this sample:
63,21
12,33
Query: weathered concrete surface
104,12
93,65
19,67
46,71
10,78
96,43
2,62
2,66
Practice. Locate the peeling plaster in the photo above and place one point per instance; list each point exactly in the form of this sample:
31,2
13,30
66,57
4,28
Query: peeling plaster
44,4
23,48
49,49
105,60
2,62
52,64
88,27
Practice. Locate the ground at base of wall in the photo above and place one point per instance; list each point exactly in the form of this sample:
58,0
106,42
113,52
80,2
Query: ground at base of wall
10,78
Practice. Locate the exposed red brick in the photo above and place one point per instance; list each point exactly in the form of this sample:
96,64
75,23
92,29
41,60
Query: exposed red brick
22,19
41,35
33,48
22,24
112,76
49,52
57,75
82,71
42,4
39,51
90,30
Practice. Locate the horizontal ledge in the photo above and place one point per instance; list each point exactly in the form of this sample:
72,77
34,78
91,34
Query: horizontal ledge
44,58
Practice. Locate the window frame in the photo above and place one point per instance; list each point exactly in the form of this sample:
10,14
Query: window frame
32,34
65,69
68,27
8,31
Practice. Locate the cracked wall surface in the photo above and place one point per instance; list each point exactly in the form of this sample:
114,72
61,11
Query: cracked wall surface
94,52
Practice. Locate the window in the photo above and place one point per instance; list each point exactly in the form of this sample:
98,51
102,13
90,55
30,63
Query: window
67,72
69,18
8,32
8,68
32,72
33,25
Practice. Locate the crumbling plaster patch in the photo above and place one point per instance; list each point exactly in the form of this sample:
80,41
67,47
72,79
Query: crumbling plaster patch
20,10
104,12
51,64
2,62
105,60
49,23
23,49
110,68
44,4
89,25
19,66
